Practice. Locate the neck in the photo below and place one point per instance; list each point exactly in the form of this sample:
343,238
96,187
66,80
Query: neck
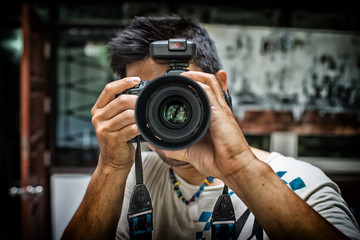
192,176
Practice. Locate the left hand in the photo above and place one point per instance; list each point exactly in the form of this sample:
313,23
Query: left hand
217,153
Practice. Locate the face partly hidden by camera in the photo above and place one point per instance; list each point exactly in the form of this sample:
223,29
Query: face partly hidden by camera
172,111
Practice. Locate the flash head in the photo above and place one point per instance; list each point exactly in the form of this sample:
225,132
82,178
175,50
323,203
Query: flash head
175,49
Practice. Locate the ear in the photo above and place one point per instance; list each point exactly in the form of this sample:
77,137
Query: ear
222,79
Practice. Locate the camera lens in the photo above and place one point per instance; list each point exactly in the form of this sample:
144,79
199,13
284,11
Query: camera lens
172,112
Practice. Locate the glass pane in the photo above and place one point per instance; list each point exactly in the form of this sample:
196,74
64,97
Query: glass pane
329,146
83,71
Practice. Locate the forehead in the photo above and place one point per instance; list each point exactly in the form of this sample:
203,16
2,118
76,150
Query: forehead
147,69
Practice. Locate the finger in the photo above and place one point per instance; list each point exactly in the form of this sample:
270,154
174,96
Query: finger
122,120
113,88
118,130
126,134
129,132
212,82
216,99
210,94
118,105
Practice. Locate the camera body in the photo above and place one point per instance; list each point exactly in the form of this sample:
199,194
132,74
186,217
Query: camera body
172,111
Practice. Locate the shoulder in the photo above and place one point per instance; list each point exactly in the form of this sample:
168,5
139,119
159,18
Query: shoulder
282,164
302,177
317,189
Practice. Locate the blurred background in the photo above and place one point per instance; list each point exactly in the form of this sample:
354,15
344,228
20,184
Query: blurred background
294,75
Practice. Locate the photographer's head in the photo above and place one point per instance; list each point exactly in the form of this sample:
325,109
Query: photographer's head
130,56
131,44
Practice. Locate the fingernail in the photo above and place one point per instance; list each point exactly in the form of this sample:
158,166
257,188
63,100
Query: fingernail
135,79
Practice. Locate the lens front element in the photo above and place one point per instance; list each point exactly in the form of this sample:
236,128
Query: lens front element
175,113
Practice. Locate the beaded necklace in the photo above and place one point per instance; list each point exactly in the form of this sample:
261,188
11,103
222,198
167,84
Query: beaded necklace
176,184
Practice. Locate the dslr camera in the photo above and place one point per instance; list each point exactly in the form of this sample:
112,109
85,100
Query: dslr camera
172,111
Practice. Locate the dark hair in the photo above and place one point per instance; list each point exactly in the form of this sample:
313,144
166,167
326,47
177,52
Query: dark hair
132,42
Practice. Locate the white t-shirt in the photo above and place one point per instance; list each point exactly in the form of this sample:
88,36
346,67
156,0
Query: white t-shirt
172,219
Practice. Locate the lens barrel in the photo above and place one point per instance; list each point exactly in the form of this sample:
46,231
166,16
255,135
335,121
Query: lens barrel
172,112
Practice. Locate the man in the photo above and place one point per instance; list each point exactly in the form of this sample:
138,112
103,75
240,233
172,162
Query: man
273,196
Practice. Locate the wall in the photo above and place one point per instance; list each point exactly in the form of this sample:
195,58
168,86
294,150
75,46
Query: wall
300,74
66,195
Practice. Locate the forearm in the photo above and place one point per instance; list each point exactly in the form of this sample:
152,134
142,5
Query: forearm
100,209
281,212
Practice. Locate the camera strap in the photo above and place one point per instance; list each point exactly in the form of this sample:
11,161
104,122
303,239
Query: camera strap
140,207
223,218
227,98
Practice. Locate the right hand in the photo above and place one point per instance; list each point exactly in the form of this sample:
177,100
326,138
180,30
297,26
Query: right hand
114,122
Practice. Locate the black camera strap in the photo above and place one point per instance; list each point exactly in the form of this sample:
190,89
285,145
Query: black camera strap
140,207
223,218
227,98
